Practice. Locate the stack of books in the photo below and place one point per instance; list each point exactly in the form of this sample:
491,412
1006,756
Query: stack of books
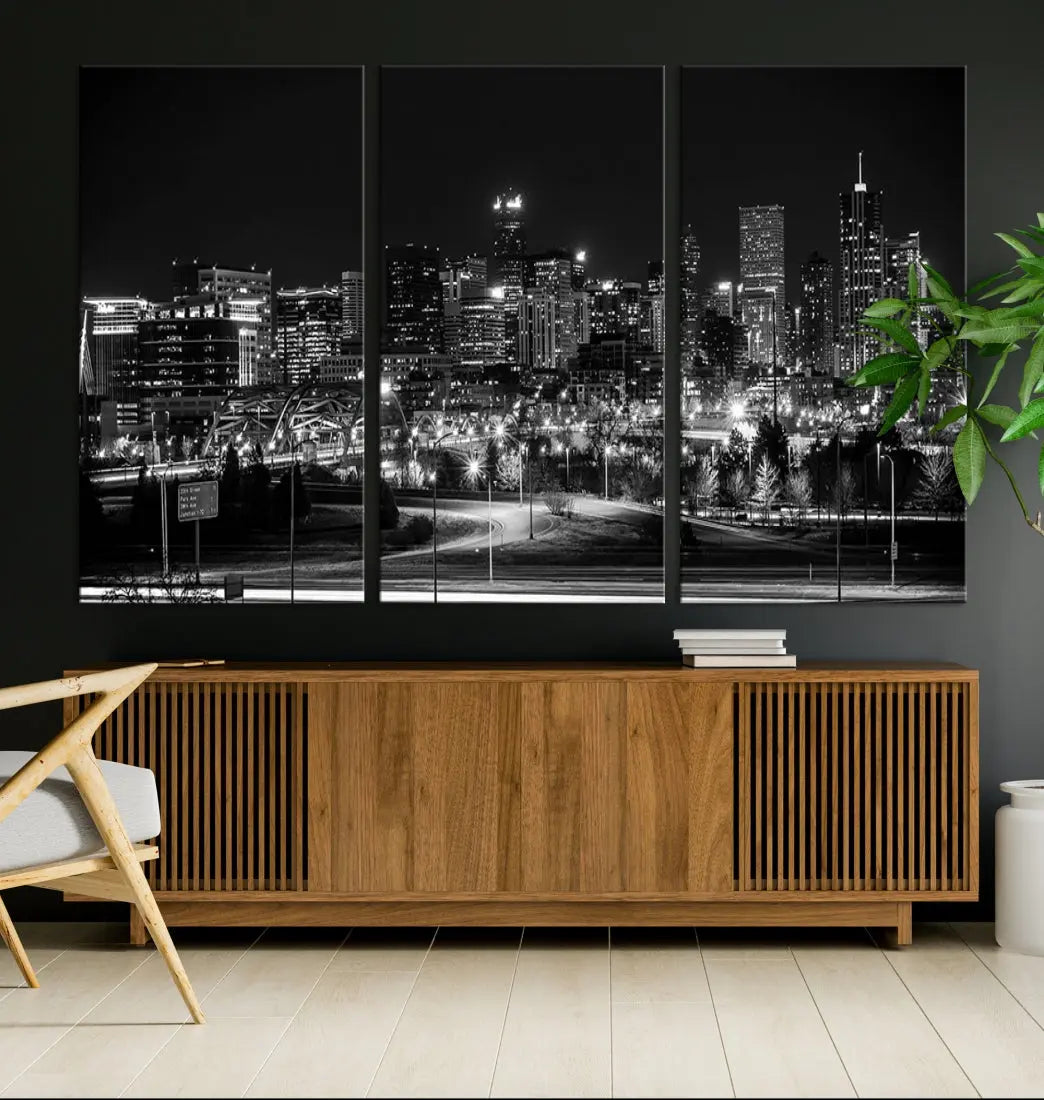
734,649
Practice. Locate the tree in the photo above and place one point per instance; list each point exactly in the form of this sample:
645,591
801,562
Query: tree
230,475
937,487
766,486
281,498
844,491
798,492
770,441
736,489
703,483
256,495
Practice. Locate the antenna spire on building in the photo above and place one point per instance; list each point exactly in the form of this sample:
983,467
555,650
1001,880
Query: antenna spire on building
860,186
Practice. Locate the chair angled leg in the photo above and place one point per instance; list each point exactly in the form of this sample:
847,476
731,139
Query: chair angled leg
89,781
10,937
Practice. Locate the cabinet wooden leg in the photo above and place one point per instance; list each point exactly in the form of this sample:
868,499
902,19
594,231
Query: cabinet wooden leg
904,928
138,936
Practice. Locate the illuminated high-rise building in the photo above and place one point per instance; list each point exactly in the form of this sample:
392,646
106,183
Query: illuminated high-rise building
653,331
352,305
690,298
899,253
509,255
553,272
579,268
308,330
720,299
762,276
242,294
112,339
412,298
482,330
862,271
817,336
464,278
537,330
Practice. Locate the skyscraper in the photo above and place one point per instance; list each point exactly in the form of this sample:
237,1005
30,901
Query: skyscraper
816,350
690,298
481,342
654,289
351,308
413,298
862,274
241,294
308,330
899,253
537,327
112,340
509,256
553,272
762,274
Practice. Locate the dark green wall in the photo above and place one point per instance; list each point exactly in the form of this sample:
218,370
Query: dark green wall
42,629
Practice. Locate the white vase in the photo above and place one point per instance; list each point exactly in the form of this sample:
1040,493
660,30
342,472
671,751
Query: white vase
1020,868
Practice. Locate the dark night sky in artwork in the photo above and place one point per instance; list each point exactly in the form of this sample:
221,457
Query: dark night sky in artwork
584,145
236,166
792,136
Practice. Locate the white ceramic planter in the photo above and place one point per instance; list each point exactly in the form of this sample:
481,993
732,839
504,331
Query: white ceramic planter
1020,868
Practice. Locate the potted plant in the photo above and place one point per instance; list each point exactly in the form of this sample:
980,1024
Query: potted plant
960,324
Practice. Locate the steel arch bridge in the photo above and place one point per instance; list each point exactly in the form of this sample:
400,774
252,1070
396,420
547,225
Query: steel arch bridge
329,414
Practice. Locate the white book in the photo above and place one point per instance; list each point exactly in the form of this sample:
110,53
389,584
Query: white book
786,660
732,647
730,635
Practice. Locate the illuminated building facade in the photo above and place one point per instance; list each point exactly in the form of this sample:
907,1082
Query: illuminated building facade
308,326
817,335
899,253
509,256
552,272
112,338
762,275
352,307
862,271
482,331
690,298
536,330
413,298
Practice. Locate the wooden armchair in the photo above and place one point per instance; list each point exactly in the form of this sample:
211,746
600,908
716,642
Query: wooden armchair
61,848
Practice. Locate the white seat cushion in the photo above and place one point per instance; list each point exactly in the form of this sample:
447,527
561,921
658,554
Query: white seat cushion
52,824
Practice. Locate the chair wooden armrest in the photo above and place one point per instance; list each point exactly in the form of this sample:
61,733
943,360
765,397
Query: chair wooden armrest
118,875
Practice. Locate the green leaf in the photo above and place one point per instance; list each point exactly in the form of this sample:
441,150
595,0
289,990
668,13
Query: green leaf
943,284
924,386
886,307
884,369
1007,333
1028,288
913,281
902,399
1003,288
1001,415
939,352
1040,220
969,459
1032,265
1033,370
990,351
1014,242
988,281
1031,418
897,334
997,368
951,416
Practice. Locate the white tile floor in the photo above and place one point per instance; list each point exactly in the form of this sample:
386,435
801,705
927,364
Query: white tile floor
545,1013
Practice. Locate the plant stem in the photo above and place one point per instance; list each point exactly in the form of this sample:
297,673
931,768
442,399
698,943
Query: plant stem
1035,524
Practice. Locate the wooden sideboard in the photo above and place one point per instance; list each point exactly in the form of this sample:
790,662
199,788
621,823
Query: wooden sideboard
557,794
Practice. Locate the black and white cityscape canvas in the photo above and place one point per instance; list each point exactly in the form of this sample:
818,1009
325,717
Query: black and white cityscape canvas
523,334
807,193
220,363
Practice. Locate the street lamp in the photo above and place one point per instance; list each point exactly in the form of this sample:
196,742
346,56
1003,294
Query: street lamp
608,447
475,472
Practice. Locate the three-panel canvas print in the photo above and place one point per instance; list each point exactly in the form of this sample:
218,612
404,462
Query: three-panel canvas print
530,343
